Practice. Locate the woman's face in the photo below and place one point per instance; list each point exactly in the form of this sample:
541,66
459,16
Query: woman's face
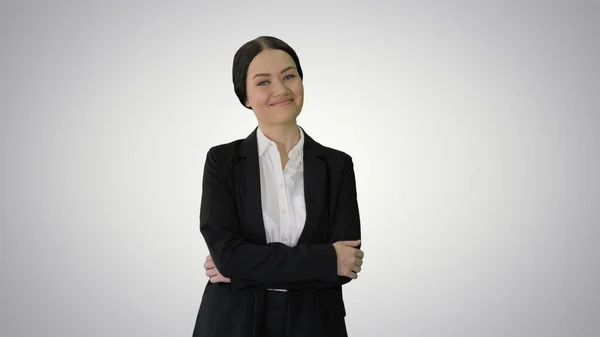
274,88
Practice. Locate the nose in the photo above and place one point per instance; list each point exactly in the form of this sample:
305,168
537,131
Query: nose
280,89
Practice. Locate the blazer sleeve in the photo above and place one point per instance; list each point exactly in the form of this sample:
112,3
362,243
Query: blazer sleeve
346,220
237,259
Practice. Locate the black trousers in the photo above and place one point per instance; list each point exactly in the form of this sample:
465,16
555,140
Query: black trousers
275,312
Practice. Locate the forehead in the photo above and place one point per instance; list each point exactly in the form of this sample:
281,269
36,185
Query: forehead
270,61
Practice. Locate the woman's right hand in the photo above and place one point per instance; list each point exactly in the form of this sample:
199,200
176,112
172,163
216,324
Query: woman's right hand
349,259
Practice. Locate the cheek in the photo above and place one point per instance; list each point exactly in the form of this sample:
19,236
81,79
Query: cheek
299,90
257,96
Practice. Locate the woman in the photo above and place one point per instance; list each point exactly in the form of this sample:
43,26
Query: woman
279,214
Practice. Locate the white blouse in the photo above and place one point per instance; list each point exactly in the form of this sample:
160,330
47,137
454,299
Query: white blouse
282,191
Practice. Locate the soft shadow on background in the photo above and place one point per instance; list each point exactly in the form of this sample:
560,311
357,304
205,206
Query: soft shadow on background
474,128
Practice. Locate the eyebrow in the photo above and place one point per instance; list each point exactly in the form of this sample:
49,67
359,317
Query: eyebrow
267,75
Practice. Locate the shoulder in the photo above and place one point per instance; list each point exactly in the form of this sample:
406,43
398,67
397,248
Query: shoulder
337,160
335,155
312,146
226,149
239,147
340,166
223,155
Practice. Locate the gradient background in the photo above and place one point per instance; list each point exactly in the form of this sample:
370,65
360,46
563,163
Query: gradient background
474,128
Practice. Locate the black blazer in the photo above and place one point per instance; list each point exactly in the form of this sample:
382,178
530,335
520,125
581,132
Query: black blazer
231,223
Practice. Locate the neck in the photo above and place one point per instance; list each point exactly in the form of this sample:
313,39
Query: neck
285,136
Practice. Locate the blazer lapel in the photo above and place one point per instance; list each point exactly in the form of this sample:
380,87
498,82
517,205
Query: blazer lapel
247,173
315,179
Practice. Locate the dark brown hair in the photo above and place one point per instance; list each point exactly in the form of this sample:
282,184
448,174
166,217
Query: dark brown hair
244,56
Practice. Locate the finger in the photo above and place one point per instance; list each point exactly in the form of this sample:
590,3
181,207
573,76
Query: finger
359,253
358,262
209,265
356,269
220,278
209,258
352,275
353,243
212,272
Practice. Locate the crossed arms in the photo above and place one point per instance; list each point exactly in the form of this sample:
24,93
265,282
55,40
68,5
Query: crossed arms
233,259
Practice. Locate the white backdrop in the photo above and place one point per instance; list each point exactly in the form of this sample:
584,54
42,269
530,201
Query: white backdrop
474,128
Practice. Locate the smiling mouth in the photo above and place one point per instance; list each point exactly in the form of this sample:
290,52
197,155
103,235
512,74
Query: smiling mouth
282,103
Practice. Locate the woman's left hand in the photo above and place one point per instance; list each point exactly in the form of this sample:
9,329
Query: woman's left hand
213,273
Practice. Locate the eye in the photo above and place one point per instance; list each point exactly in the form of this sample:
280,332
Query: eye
288,77
262,83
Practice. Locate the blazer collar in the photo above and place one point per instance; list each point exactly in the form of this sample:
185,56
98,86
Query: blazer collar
248,182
